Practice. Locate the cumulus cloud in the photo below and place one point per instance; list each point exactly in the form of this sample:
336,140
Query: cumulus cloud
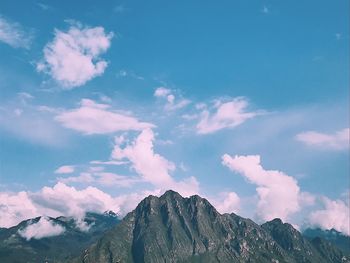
13,34
279,194
53,201
335,214
153,167
43,228
73,57
226,202
172,102
339,140
16,207
70,201
65,169
63,200
224,115
93,118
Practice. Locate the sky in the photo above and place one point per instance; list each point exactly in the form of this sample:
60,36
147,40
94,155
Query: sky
245,103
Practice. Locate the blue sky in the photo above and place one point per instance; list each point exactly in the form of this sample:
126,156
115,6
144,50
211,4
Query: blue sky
162,91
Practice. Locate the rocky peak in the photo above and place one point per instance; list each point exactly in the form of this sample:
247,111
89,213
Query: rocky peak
172,228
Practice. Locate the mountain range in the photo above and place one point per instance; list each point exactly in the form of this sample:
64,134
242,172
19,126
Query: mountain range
176,229
15,248
172,228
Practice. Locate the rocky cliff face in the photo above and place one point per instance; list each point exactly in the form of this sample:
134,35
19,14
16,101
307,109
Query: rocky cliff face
176,229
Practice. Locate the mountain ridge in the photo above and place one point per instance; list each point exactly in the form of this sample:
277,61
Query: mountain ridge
16,248
171,228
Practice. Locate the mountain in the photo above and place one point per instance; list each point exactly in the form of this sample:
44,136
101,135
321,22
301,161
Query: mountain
14,248
176,229
333,236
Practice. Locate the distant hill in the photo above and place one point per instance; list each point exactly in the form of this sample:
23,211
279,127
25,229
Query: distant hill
332,235
16,249
176,229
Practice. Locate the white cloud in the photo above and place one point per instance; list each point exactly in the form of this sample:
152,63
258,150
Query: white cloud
227,202
101,178
63,200
73,57
279,194
336,214
13,34
65,169
69,201
153,167
337,141
172,102
94,118
162,92
43,228
16,207
53,201
224,115
107,162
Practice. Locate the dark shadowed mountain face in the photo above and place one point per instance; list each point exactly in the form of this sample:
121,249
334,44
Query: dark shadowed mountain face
16,249
333,236
176,229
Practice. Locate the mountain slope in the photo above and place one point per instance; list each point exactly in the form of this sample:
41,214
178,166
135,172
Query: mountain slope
176,229
15,248
336,238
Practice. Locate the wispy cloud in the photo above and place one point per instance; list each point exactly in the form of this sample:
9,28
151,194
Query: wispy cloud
223,115
102,178
14,34
128,74
265,10
339,140
94,118
26,121
43,6
173,101
65,169
73,57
